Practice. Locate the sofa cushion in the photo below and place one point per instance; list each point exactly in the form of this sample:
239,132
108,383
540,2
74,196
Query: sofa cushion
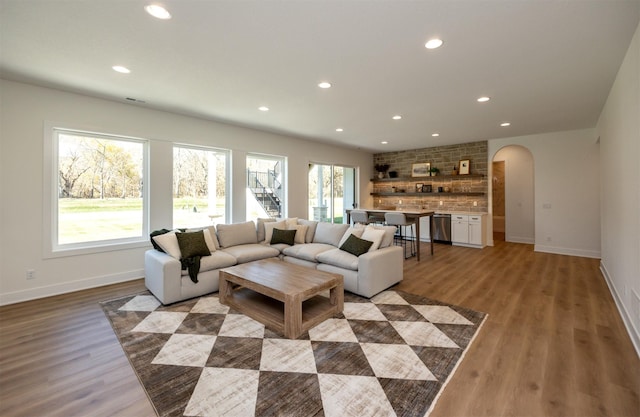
260,227
251,252
308,251
218,259
329,233
192,244
283,236
311,231
169,244
375,236
339,258
237,234
268,229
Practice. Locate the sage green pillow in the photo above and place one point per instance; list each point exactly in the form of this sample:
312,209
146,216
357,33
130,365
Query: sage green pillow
356,246
192,244
283,236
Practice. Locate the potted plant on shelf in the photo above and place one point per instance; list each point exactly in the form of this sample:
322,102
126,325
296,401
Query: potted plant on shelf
434,171
382,169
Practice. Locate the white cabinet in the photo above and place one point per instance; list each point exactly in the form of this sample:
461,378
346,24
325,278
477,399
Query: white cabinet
459,228
469,230
477,230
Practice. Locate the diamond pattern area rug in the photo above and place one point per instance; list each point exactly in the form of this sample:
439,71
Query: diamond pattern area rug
386,356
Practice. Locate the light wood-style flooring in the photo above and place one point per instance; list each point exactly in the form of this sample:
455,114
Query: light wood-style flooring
554,343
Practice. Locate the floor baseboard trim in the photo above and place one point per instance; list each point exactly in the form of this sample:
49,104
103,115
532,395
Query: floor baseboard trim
626,318
568,251
67,287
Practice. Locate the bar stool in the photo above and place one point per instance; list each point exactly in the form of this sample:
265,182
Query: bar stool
400,221
359,216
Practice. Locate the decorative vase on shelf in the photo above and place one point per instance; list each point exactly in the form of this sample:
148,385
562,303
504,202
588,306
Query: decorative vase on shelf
381,175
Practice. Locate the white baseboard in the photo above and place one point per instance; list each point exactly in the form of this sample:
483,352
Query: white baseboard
634,333
520,239
67,287
568,251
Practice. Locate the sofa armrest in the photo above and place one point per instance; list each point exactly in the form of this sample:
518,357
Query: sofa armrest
162,276
380,269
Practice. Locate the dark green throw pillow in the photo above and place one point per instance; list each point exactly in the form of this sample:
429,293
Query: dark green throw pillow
192,244
356,246
283,236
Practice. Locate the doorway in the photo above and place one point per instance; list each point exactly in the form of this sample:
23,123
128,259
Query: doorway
513,193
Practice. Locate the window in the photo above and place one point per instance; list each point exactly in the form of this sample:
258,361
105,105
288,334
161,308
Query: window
332,189
265,186
98,194
199,186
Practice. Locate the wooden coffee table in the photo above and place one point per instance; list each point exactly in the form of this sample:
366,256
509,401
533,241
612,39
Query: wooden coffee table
283,296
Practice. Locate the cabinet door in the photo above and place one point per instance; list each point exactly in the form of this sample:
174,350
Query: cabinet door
460,231
475,233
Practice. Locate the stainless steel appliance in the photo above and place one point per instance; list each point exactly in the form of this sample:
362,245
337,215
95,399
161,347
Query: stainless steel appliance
442,228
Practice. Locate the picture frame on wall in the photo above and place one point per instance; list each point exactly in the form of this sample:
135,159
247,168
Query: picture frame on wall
464,167
421,169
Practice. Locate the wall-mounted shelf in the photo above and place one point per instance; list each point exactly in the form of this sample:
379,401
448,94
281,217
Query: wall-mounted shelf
425,194
423,179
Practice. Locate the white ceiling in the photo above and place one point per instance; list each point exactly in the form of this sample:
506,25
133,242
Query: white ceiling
547,65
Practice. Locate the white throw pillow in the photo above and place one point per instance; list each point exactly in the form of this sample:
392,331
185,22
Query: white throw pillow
390,231
169,243
268,229
209,240
356,231
301,233
290,222
373,235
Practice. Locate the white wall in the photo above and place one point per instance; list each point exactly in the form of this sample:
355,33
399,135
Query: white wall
519,194
619,131
24,109
567,181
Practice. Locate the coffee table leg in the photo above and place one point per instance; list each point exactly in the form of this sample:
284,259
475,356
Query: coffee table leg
336,297
292,317
224,288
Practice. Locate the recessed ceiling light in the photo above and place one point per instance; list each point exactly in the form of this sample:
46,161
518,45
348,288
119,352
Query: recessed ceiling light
483,99
339,129
384,142
435,135
121,69
263,108
397,117
324,84
505,124
157,11
433,43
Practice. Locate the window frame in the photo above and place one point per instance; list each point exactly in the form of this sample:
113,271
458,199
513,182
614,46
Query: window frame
51,247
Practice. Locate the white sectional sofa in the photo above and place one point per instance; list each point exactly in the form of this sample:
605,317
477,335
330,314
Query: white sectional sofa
316,245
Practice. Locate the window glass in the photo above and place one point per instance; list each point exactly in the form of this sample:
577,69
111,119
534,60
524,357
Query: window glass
332,190
199,186
265,186
99,189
